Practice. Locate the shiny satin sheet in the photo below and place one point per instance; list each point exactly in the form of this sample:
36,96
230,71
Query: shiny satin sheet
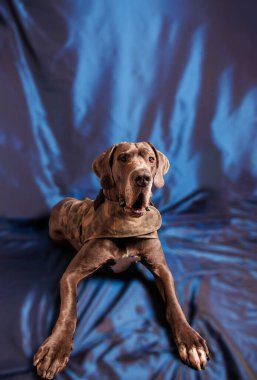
78,76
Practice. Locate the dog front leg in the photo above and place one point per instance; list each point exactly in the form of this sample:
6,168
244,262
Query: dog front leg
191,346
54,353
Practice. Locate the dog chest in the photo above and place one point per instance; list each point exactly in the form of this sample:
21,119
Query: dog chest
124,262
79,222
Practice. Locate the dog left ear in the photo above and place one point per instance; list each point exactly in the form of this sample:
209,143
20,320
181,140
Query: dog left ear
163,165
102,167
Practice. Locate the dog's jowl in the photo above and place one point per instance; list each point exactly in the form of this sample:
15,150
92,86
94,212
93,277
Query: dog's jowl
117,228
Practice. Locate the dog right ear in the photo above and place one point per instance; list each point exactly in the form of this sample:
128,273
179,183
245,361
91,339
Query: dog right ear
163,165
102,167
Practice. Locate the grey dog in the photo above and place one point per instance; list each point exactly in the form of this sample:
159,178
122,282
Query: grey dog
118,228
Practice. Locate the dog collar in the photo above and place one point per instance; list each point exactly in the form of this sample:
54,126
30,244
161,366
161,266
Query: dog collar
80,222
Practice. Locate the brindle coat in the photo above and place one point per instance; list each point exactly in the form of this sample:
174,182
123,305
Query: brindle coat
127,172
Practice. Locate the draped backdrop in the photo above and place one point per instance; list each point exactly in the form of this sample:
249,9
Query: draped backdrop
79,76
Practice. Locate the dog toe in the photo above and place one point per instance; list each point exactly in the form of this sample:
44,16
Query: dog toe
202,356
49,374
183,352
194,358
39,355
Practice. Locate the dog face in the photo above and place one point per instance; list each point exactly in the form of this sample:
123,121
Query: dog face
131,169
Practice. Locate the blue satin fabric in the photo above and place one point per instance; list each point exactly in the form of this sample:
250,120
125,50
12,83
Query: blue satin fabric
78,76
122,332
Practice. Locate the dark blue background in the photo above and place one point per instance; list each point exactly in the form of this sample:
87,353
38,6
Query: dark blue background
78,76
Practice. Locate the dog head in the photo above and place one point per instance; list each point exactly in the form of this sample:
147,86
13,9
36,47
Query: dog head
130,170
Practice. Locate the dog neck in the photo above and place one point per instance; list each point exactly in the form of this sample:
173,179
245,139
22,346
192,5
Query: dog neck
110,195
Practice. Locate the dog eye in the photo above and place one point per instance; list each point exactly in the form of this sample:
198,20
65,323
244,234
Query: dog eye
123,158
151,159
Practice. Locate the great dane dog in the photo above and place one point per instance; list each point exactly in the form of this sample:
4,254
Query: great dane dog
118,228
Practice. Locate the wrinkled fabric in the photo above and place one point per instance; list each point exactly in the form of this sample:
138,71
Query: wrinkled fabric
122,332
79,76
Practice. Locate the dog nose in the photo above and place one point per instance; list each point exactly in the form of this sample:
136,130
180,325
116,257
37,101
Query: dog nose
142,179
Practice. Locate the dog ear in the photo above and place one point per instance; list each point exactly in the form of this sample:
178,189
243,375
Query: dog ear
102,167
162,164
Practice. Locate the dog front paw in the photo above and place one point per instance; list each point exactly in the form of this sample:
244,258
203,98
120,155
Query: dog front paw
192,347
52,356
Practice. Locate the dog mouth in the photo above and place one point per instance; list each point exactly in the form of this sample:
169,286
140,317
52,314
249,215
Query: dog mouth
138,204
138,208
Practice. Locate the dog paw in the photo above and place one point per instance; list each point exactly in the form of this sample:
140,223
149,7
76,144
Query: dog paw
192,348
52,356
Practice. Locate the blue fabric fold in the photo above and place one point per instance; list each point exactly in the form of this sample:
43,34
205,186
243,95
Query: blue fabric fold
122,331
76,78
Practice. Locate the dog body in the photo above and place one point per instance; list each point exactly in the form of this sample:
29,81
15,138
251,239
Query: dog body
118,228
